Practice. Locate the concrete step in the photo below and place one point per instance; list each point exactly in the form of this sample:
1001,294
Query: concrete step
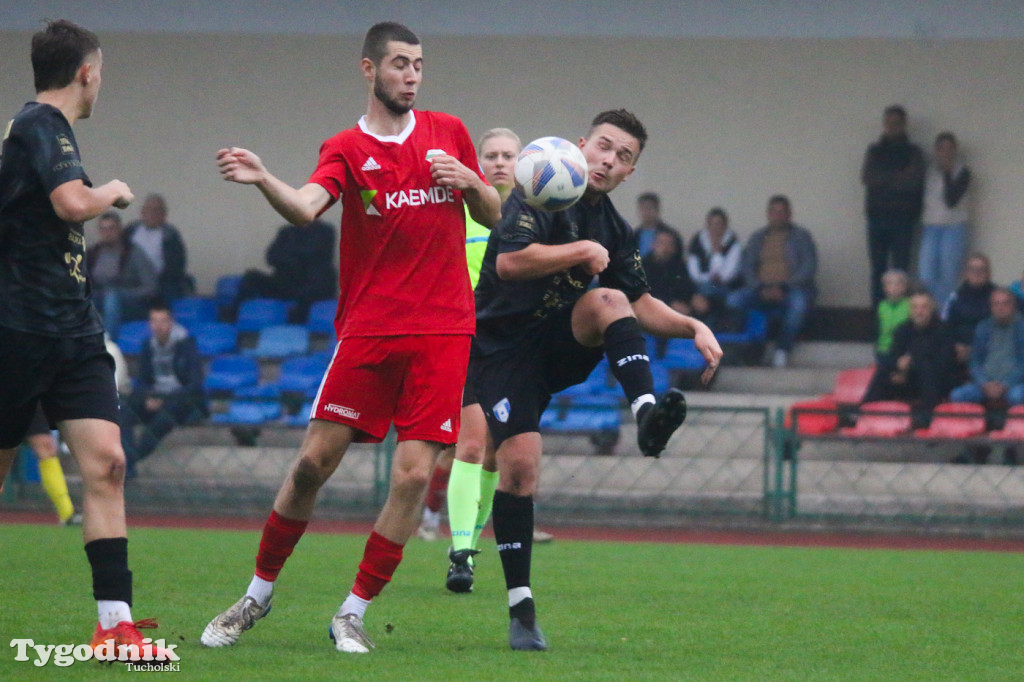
812,370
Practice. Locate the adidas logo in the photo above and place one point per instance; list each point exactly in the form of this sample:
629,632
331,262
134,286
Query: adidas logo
447,426
370,165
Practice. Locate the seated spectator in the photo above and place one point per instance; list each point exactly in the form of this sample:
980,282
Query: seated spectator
169,390
122,277
162,242
893,310
918,365
713,260
1017,288
969,304
302,259
997,357
666,271
779,264
648,210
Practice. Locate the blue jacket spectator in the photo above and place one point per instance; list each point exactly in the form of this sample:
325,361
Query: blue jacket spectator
997,356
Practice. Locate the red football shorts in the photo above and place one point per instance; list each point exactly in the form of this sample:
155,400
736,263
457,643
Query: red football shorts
414,381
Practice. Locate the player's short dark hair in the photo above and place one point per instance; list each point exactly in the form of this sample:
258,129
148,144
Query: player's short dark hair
896,109
57,52
111,215
375,46
946,136
620,118
159,305
780,199
649,198
720,212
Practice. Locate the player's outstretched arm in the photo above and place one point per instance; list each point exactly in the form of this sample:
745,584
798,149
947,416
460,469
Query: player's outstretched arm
541,260
656,317
297,206
75,202
483,200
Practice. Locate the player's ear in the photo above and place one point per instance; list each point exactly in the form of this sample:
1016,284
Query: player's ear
368,68
582,142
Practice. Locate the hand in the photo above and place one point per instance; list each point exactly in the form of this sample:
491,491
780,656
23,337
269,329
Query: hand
963,352
124,194
707,344
447,171
153,404
595,258
993,390
903,363
240,165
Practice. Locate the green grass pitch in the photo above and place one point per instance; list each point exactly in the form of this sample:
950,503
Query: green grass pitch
610,611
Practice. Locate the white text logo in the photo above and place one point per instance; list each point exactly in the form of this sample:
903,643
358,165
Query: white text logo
64,655
343,411
419,197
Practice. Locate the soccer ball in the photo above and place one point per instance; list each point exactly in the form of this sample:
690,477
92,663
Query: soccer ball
552,173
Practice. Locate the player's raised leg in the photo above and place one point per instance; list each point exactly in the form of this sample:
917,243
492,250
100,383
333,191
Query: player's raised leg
322,449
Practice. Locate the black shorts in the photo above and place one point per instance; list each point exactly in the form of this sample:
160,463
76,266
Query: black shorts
514,386
71,378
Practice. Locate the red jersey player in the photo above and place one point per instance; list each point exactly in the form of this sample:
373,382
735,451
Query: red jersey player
404,321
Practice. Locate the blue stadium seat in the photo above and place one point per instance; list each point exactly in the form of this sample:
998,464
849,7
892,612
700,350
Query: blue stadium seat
302,374
321,317
301,418
227,289
754,330
281,341
193,310
228,373
248,412
258,392
132,336
579,420
255,314
682,354
214,338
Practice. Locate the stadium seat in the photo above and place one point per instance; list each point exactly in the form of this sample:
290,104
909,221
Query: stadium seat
192,310
301,418
883,418
811,418
255,314
754,329
214,338
321,317
851,385
281,341
1014,427
578,420
226,290
132,335
228,373
955,420
248,412
682,354
302,374
258,392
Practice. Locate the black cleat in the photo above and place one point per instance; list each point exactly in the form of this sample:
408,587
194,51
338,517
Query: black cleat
660,421
522,638
460,572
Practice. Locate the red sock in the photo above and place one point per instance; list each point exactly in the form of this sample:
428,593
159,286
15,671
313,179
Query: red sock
438,489
280,535
380,559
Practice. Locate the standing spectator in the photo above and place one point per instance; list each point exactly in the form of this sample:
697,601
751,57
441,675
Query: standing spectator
970,303
893,175
169,391
713,261
302,258
997,357
666,272
919,364
893,310
123,279
648,210
779,264
945,219
162,242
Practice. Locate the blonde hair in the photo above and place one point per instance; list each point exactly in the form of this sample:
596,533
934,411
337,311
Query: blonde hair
498,132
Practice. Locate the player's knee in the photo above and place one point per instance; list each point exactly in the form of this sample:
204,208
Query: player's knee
105,466
308,474
613,299
412,479
471,450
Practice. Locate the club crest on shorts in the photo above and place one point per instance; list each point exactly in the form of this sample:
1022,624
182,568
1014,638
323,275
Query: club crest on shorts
501,410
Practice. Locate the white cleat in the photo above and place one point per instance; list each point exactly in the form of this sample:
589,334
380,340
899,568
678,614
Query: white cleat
348,634
225,629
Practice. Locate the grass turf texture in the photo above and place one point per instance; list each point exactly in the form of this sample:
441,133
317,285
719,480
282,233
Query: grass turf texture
610,611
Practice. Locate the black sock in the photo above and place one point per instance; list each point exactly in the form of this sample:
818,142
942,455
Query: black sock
513,532
626,350
111,579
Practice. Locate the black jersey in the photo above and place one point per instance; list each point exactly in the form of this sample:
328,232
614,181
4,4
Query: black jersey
508,311
43,287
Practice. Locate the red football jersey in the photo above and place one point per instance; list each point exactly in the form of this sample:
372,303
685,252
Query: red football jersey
402,268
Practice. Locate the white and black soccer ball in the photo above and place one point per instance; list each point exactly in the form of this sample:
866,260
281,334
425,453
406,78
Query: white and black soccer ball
552,173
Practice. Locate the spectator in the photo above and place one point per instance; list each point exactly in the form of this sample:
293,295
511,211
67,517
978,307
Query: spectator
779,264
122,277
970,303
944,238
162,242
893,176
302,259
666,271
1017,288
714,259
169,390
648,210
893,310
997,357
918,366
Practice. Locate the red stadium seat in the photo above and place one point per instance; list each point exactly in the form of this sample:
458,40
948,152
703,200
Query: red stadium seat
882,419
813,422
852,384
955,420
1014,427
